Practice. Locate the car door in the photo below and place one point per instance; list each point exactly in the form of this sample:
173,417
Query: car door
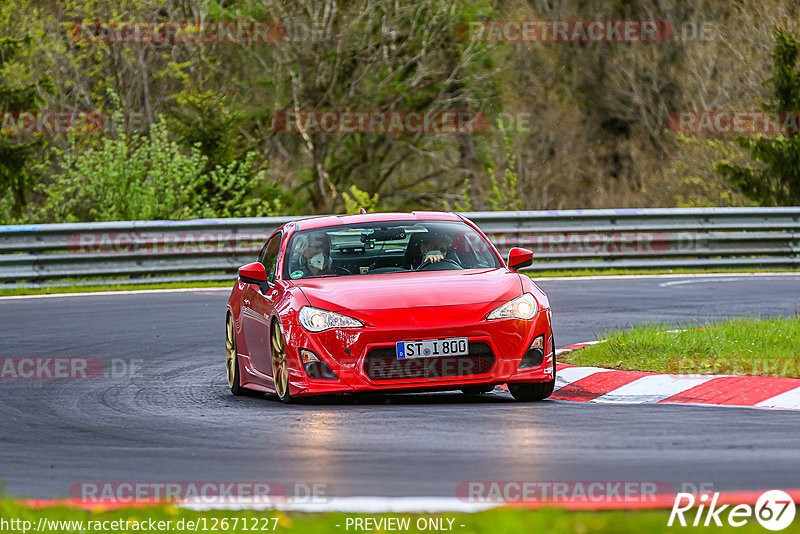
257,306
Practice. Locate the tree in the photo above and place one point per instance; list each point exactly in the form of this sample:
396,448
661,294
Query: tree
376,56
776,178
18,93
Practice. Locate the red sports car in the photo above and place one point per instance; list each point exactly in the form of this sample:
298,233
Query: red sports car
387,302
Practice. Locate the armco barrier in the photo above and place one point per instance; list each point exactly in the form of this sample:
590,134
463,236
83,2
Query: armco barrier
212,249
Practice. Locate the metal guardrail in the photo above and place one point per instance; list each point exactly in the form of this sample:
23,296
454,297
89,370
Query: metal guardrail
212,249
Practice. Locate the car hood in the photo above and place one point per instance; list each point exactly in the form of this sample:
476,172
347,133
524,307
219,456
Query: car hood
416,289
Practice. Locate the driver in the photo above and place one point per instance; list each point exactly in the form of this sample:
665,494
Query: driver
433,248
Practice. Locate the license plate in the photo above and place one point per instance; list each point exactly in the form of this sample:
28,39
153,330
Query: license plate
429,348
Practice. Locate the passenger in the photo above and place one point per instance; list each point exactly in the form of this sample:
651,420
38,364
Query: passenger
316,256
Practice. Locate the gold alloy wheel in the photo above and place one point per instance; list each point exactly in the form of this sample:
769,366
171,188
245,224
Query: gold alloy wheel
230,352
280,365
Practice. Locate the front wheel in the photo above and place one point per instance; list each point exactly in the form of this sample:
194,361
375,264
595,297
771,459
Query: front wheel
534,391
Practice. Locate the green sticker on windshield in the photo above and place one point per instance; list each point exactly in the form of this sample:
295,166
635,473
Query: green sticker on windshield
297,274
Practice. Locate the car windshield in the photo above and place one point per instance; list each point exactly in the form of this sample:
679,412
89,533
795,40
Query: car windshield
387,247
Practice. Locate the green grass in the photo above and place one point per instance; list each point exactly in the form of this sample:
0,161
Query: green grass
114,287
501,521
762,347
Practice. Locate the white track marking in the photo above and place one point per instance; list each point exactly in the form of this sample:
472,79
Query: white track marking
788,400
367,505
706,281
568,375
652,388
577,346
715,280
635,276
126,292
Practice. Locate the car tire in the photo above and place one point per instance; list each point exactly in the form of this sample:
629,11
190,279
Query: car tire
232,358
280,363
476,390
534,391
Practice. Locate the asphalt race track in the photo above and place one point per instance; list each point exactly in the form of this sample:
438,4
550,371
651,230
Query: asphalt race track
174,419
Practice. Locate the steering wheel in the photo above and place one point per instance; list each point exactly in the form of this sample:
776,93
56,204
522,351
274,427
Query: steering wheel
452,265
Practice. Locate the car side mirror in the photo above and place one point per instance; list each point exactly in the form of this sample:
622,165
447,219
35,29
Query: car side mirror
519,258
253,273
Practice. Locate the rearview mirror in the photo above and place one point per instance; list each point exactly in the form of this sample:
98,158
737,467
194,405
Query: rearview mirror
519,258
382,234
253,273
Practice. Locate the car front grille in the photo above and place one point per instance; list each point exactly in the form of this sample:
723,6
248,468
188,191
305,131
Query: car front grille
382,364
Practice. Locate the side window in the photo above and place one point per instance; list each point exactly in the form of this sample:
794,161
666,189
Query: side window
269,255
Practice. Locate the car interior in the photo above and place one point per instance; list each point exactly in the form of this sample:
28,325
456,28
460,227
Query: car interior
396,249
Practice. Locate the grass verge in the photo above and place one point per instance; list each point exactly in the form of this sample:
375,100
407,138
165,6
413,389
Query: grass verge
760,347
109,287
550,520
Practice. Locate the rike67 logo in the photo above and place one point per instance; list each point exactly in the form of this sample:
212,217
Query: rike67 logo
774,510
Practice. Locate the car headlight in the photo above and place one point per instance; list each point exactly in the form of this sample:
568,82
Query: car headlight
522,307
317,320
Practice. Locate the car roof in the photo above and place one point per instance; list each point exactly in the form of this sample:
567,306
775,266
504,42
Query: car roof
339,220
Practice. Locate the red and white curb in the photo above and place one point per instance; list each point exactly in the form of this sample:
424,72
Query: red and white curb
575,346
595,384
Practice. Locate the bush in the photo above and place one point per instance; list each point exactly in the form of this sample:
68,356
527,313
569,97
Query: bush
150,177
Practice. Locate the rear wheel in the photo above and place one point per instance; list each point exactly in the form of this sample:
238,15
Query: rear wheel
476,390
232,358
280,364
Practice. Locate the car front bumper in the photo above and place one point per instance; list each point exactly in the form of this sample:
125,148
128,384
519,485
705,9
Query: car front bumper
351,355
